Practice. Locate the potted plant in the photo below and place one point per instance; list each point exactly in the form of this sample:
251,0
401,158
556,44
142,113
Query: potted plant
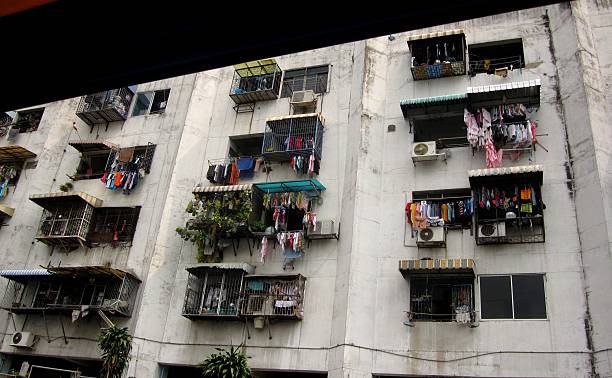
226,364
116,344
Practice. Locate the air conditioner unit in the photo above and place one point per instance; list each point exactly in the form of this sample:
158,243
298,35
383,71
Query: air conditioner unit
23,339
303,99
492,230
431,237
323,229
422,151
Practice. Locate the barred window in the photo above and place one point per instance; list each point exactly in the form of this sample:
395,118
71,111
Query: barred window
310,78
113,224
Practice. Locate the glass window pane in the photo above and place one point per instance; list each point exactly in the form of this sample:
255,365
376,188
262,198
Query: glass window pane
495,297
294,73
143,101
529,302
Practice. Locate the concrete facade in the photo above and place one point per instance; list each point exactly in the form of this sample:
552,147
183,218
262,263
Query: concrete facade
355,296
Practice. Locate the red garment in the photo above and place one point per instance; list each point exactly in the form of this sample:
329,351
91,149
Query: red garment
407,210
118,177
234,175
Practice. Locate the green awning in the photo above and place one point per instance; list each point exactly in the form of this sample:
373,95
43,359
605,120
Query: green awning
436,104
291,186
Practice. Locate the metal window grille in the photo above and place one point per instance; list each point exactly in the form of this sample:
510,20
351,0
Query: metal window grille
113,224
259,84
106,106
71,219
293,136
439,299
116,295
213,292
312,78
28,120
274,296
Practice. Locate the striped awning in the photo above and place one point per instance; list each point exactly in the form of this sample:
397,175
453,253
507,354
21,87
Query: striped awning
442,33
536,171
437,266
47,199
248,269
297,116
222,188
524,92
7,211
10,273
15,152
91,145
436,104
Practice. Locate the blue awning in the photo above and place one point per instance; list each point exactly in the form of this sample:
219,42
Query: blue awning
9,273
291,186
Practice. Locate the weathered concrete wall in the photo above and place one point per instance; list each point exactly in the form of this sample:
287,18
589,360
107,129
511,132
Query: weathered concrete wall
355,296
55,161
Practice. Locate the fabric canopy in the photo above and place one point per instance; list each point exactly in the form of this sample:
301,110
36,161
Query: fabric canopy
535,170
14,152
290,186
437,34
437,266
222,188
47,199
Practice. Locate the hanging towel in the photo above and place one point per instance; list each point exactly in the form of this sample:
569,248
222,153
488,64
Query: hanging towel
126,154
246,166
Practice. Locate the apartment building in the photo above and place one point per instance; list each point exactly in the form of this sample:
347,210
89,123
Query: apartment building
431,203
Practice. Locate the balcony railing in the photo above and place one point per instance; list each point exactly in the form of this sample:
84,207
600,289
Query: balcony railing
523,229
256,81
105,107
434,71
285,137
273,296
490,65
66,289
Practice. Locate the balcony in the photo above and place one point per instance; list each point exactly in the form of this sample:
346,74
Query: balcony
294,135
105,107
66,218
82,290
273,296
259,80
441,290
508,205
438,54
213,290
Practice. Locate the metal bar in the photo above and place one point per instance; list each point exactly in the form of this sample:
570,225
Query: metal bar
46,326
63,331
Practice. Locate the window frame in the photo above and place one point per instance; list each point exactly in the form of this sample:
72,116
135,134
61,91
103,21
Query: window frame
304,79
492,45
155,93
128,212
513,318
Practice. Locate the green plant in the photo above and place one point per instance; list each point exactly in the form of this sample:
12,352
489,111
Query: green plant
226,364
116,344
215,216
65,187
258,226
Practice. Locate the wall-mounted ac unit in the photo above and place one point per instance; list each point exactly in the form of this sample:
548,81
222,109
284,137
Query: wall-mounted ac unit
23,339
492,230
325,230
303,99
431,237
422,151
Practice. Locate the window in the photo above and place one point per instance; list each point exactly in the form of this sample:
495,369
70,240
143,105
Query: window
487,57
151,102
92,165
28,120
447,131
311,78
517,296
439,297
113,224
245,145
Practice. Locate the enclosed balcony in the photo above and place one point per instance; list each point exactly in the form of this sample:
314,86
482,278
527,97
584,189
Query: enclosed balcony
294,135
439,54
105,107
66,217
213,290
508,204
273,296
78,290
254,81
